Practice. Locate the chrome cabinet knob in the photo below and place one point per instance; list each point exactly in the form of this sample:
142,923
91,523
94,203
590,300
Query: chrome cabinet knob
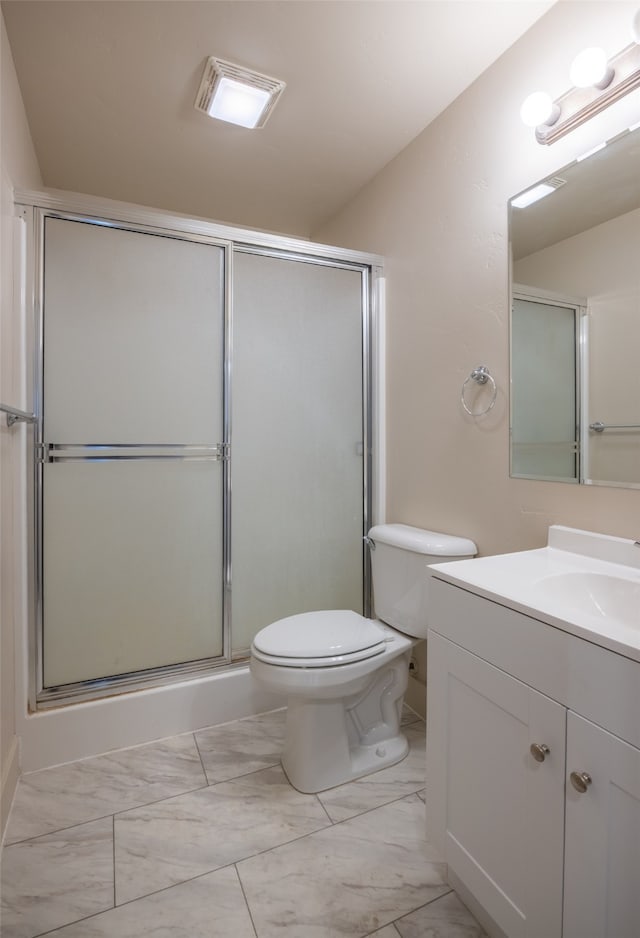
539,751
580,781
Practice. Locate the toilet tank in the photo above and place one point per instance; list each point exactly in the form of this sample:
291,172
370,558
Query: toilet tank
399,558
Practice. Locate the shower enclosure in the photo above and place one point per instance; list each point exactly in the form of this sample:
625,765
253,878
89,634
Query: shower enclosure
203,450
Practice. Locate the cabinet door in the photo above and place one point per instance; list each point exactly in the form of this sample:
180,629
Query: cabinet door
496,813
602,862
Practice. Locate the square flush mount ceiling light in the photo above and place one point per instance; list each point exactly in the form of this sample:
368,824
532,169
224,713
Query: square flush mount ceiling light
236,94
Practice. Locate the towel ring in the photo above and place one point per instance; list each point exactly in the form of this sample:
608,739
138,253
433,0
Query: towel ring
480,375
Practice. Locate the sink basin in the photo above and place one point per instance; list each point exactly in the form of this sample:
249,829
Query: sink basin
594,594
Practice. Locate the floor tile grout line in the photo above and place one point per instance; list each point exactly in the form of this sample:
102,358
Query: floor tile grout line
156,892
323,806
187,791
207,784
86,918
235,863
382,804
103,817
195,740
76,921
423,905
331,826
253,924
135,807
150,743
221,781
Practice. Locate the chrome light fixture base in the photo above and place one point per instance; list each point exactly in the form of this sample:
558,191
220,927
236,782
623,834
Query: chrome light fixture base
581,104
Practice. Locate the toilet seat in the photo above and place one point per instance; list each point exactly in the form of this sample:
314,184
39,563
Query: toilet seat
320,640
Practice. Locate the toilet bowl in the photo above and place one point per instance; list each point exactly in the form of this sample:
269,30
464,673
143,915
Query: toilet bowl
344,675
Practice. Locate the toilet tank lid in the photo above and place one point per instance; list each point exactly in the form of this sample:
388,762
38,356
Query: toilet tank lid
423,542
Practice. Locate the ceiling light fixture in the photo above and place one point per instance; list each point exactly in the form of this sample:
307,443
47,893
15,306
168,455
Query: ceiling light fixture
529,196
236,94
597,83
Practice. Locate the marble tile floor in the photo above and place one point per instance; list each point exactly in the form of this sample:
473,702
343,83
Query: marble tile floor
202,836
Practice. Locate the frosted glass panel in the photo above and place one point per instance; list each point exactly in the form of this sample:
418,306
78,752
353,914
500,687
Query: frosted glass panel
543,391
133,337
297,517
132,561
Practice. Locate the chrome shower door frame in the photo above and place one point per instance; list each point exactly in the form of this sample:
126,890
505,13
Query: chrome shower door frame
41,697
35,208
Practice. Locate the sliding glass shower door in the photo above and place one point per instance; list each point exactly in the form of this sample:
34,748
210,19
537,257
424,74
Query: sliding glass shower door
132,452
299,436
203,454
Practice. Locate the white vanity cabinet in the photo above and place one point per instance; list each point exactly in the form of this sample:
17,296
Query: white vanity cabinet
515,706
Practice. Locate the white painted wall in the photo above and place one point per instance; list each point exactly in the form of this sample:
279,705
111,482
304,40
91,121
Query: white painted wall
438,212
18,167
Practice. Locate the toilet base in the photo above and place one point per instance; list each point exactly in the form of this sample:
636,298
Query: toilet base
331,742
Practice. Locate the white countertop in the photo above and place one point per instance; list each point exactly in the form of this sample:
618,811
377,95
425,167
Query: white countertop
517,580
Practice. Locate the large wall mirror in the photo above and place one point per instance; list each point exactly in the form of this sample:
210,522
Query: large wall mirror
575,321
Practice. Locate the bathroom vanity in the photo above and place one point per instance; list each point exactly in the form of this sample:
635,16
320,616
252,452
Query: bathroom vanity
533,739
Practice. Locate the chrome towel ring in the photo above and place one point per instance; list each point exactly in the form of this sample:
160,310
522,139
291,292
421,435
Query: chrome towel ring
481,375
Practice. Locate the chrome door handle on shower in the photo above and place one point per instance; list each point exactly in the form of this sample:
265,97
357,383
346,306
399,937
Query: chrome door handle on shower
109,452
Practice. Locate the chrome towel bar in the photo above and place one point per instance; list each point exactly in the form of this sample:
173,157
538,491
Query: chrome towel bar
600,427
14,415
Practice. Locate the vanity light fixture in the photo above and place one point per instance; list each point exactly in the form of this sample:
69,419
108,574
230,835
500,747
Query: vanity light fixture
590,68
236,94
596,83
538,109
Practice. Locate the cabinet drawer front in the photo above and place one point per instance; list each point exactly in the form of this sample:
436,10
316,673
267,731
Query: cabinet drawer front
575,672
499,812
602,879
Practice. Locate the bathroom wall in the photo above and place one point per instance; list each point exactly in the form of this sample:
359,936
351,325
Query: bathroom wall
438,212
18,166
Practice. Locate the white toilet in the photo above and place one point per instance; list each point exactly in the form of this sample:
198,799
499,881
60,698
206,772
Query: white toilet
345,676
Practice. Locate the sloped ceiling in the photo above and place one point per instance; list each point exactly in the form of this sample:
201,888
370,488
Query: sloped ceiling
109,90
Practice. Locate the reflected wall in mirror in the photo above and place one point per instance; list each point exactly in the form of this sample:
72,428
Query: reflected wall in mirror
575,322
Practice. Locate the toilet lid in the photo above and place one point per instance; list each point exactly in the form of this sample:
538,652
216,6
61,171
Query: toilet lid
319,639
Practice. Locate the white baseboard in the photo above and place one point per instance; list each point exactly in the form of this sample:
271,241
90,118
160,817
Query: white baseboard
78,731
9,781
416,696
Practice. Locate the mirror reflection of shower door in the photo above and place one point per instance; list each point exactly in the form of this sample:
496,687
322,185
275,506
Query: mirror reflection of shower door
132,456
297,464
544,389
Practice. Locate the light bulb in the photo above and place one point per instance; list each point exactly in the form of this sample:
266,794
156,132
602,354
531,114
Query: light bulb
590,68
635,27
238,103
538,109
